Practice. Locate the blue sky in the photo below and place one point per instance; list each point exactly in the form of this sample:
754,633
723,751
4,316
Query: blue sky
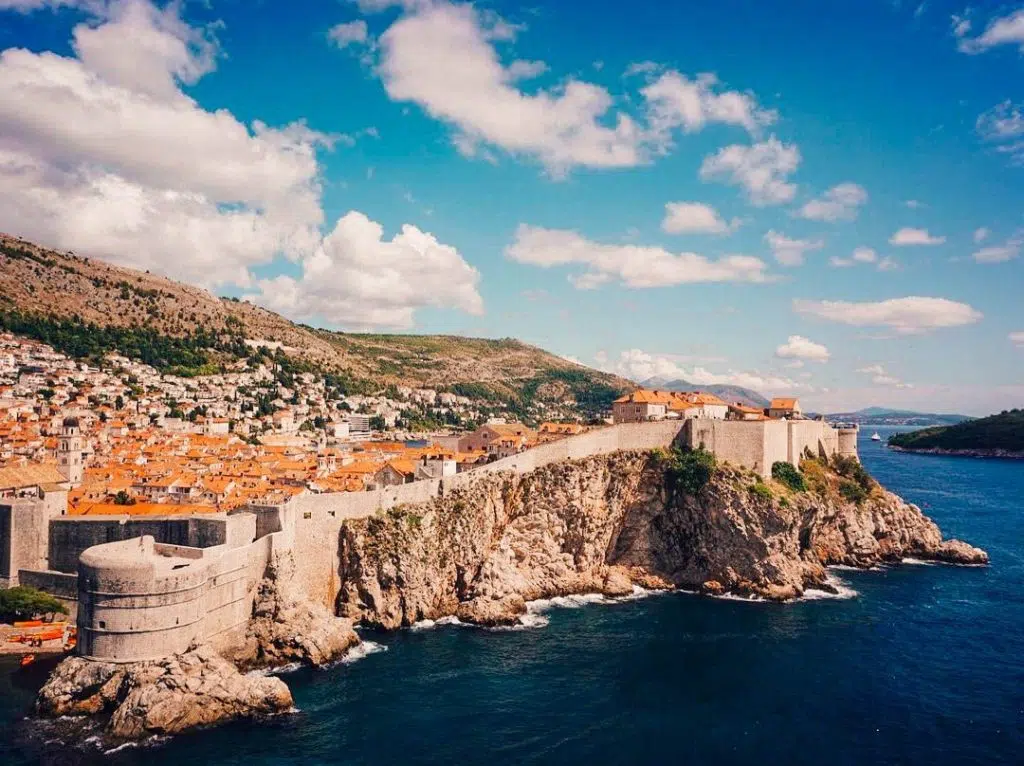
817,201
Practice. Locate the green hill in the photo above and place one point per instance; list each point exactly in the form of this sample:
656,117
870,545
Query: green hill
1002,433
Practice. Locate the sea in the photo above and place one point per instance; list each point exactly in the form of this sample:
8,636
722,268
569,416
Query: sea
913,664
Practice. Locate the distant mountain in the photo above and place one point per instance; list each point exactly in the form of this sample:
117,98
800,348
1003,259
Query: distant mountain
999,435
884,416
729,394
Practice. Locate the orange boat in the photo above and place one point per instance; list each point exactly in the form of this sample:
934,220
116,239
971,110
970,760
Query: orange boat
29,624
27,660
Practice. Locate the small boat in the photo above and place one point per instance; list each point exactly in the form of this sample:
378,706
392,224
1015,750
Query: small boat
875,437
27,660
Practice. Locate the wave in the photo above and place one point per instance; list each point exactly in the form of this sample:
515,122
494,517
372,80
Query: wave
842,592
280,670
361,650
917,562
440,622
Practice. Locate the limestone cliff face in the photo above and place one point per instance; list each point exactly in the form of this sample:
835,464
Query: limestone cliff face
604,523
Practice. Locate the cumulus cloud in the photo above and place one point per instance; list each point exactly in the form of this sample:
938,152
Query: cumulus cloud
799,347
761,170
1000,253
880,377
640,365
1017,338
1003,30
1002,127
358,279
981,234
864,255
695,218
632,265
104,153
840,203
445,58
906,316
908,236
790,252
914,204
349,33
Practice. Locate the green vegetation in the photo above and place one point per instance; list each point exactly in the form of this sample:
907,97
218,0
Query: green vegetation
123,498
187,355
1004,431
852,491
24,603
686,471
787,474
761,491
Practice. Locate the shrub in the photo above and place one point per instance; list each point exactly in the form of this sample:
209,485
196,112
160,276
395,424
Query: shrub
787,474
761,491
852,491
851,468
688,472
24,603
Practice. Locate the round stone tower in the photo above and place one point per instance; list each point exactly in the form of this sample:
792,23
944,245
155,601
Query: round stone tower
848,441
69,452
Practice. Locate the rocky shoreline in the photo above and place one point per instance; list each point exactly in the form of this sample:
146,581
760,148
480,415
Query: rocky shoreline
598,525
979,453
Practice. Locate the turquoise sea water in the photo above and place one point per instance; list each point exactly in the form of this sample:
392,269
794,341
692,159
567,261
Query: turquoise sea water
924,666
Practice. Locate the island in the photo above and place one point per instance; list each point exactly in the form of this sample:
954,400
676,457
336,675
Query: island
999,435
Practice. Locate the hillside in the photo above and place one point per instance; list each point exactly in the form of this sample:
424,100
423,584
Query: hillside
727,393
85,308
996,435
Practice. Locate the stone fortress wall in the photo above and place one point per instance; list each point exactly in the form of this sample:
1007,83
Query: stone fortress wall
151,587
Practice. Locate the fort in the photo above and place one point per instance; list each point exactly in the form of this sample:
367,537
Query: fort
149,587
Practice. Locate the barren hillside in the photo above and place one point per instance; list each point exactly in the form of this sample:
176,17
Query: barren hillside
52,294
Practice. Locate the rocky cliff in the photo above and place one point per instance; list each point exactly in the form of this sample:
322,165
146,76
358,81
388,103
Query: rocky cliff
607,523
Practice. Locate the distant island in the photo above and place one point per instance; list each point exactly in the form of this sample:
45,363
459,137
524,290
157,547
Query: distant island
999,435
883,416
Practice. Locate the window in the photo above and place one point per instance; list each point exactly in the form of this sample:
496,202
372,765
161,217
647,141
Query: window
307,515
102,624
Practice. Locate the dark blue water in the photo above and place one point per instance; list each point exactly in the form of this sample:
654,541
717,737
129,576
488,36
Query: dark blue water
924,666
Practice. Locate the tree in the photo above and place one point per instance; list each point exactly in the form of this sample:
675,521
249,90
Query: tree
377,423
123,498
119,403
24,603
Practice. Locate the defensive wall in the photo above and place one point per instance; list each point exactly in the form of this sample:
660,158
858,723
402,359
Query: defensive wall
150,587
139,599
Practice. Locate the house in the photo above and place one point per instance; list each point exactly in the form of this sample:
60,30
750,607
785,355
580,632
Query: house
498,440
740,411
552,431
641,405
395,472
785,408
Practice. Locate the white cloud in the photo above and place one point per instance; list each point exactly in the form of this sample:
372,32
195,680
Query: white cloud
880,377
906,316
1001,253
761,170
639,365
980,235
799,347
865,255
445,58
695,218
358,279
1005,30
840,203
914,204
1017,338
104,154
909,236
633,265
841,263
791,252
349,33
1002,126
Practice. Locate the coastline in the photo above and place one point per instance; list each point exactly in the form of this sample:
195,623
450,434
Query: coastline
976,453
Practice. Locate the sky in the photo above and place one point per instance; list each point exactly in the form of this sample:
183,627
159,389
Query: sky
810,199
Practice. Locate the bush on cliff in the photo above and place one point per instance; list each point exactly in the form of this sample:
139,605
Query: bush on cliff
24,603
787,474
761,491
850,468
852,491
688,471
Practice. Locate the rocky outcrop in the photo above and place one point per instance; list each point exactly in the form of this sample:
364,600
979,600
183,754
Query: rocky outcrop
287,628
604,523
205,685
164,697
